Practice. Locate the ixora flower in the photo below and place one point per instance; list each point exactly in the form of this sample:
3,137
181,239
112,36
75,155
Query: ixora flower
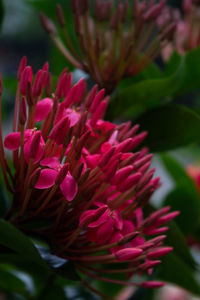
116,40
83,177
187,33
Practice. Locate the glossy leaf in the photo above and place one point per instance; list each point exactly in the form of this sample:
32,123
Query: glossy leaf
59,266
184,197
147,93
179,174
176,239
169,127
191,72
16,241
181,199
9,282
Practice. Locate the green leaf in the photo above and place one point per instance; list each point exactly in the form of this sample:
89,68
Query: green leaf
176,239
147,93
178,173
9,282
181,199
191,73
176,271
151,72
184,197
169,127
60,266
13,239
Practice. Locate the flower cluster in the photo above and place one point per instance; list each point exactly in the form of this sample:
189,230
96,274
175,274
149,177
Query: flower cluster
187,33
116,40
83,178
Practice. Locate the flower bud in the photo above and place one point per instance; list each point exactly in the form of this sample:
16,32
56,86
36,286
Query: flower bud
26,77
62,174
48,25
128,254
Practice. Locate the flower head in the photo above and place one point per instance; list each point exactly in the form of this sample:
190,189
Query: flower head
187,33
116,40
83,176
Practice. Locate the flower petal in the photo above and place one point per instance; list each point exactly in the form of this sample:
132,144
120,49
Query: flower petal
73,116
69,187
104,218
27,146
43,108
51,162
12,141
105,231
46,179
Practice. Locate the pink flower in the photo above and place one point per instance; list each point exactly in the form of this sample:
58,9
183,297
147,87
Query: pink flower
186,35
42,109
49,176
81,174
110,63
12,142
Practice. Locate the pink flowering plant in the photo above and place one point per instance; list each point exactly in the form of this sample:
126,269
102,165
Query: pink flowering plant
82,178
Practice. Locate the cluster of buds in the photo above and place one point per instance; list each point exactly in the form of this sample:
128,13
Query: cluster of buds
116,40
187,33
77,174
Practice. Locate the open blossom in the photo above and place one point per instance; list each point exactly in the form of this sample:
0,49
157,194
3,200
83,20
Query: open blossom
187,33
117,40
83,178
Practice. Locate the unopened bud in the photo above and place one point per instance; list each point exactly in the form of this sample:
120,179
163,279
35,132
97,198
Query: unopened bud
82,141
128,254
48,25
60,15
34,148
127,238
62,174
158,252
22,66
91,216
26,77
106,157
80,125
59,131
